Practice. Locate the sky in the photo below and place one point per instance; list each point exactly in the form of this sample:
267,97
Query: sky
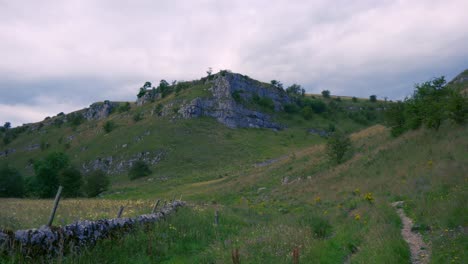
61,56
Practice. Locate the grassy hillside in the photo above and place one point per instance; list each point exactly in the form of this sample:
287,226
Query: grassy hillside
276,191
194,149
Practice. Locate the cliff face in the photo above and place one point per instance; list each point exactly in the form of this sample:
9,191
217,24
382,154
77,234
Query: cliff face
231,93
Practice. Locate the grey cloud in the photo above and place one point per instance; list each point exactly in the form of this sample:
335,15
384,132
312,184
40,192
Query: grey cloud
79,52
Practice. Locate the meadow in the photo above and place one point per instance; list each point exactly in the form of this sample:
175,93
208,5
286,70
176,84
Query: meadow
329,213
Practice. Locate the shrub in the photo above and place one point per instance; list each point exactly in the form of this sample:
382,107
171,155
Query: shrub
326,94
95,183
139,169
124,107
264,102
354,99
338,145
291,108
75,119
307,112
373,98
109,126
158,109
11,182
236,96
137,116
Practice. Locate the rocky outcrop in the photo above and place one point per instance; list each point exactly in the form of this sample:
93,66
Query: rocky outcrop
460,78
231,93
52,241
112,165
150,96
99,110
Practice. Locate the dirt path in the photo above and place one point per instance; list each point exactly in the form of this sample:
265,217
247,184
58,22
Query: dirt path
420,253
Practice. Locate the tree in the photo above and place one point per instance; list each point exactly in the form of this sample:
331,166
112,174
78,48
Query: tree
95,183
164,89
373,98
395,118
209,72
71,180
139,169
7,125
295,90
47,172
11,182
354,99
277,84
147,85
326,94
338,145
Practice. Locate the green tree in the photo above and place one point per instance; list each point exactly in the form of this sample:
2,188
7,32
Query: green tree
71,180
11,182
295,90
326,94
139,169
457,106
338,145
373,98
47,172
95,183
7,125
395,118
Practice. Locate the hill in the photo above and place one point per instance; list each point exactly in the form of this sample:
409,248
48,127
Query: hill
185,129
260,159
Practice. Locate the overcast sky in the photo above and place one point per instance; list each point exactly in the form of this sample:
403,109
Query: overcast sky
63,55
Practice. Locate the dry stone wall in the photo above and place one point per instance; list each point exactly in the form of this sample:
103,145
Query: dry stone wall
52,241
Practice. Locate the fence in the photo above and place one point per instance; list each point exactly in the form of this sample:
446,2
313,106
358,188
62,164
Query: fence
50,240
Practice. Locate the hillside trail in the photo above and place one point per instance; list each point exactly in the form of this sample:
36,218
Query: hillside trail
420,253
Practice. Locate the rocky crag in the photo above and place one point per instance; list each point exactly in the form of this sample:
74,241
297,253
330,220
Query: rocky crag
232,101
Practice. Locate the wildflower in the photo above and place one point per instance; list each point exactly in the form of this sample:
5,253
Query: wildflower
356,191
430,163
368,197
317,199
357,217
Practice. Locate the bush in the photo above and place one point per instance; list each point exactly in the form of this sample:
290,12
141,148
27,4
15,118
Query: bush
373,98
338,145
264,102
291,108
95,183
326,94
158,109
124,107
109,126
236,96
139,169
307,112
75,119
11,182
137,116
354,99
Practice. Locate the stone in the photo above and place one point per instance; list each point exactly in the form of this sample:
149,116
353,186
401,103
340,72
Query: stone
224,108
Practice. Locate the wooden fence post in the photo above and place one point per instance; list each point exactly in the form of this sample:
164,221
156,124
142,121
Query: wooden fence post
54,209
119,214
235,256
155,206
216,217
296,255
